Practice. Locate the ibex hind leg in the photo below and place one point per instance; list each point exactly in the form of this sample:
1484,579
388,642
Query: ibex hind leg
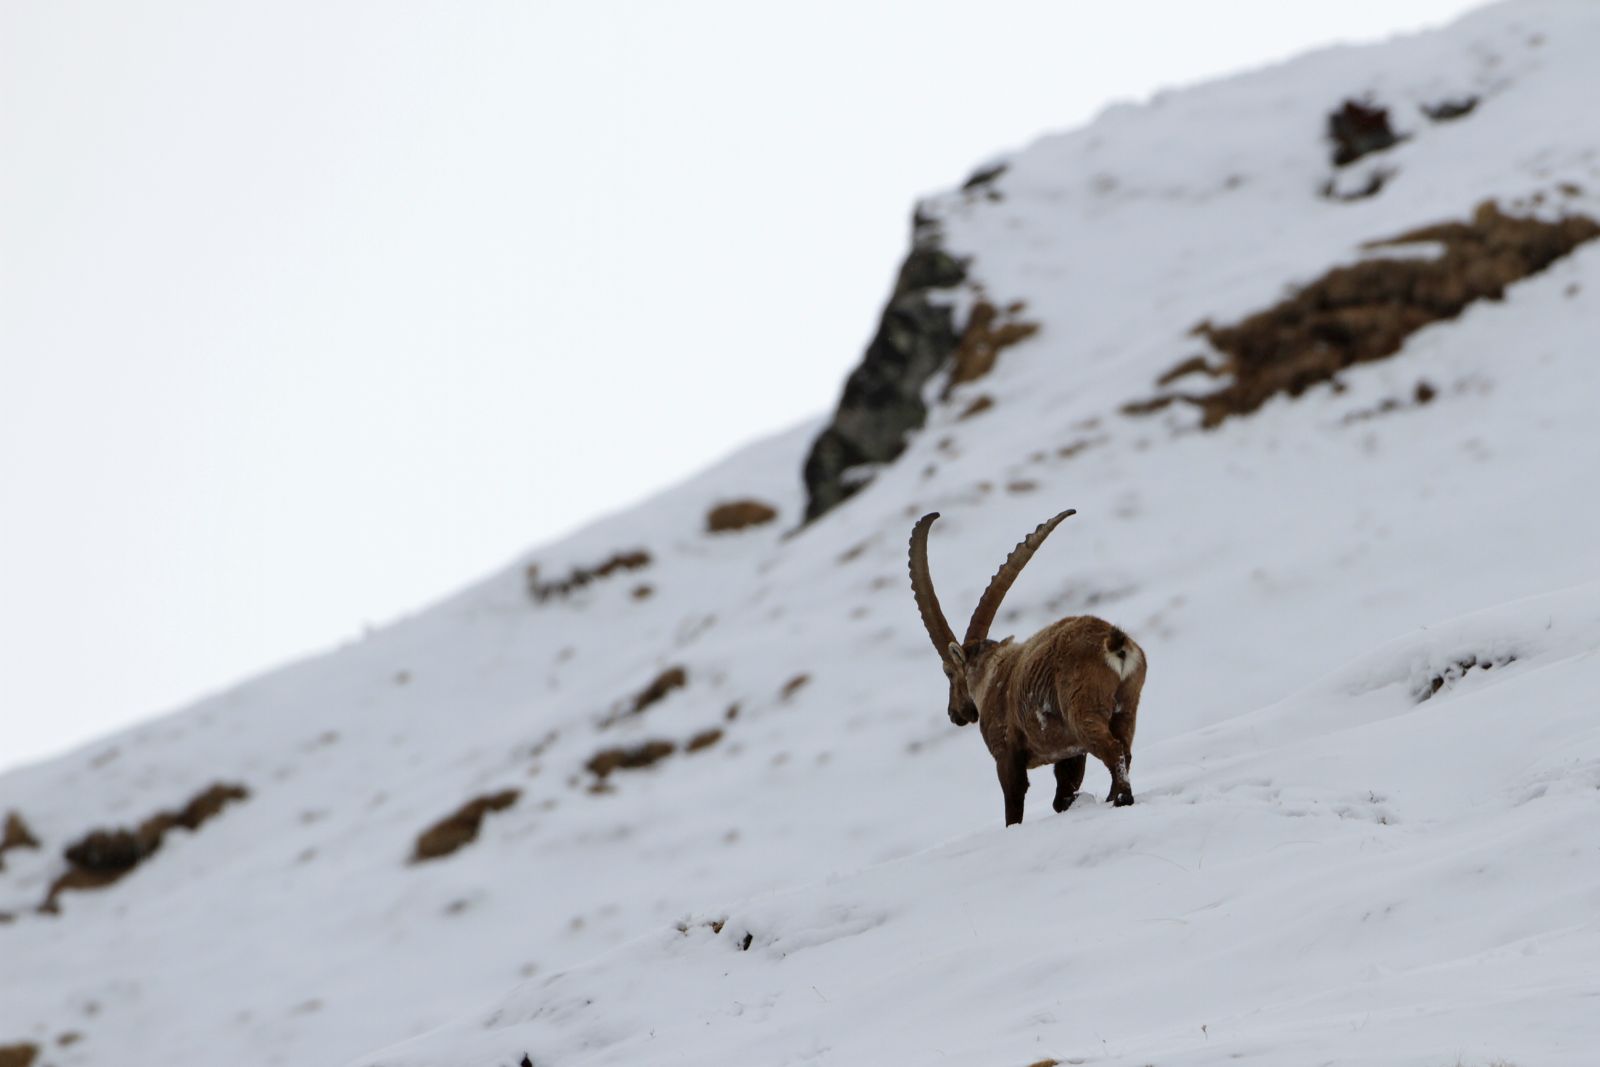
1013,771
1069,776
1104,746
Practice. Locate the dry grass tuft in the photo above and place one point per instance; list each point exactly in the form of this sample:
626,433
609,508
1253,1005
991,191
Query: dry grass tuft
15,835
460,827
1365,312
21,1055
739,515
989,331
102,857
629,757
703,739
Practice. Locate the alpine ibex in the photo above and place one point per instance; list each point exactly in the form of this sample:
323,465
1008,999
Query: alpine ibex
1069,690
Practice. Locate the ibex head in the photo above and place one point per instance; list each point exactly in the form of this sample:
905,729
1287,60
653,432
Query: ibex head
957,656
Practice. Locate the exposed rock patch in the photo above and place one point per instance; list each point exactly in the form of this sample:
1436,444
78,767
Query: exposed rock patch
579,577
882,401
739,515
460,827
102,857
1365,312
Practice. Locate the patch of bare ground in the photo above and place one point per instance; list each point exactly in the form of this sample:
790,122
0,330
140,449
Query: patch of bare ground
579,577
739,515
102,857
21,1055
460,827
989,331
1365,312
15,835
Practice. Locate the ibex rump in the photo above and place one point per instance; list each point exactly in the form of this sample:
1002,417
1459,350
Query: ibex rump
1068,692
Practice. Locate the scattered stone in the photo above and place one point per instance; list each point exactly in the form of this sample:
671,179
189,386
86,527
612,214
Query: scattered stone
460,828
1376,180
739,515
1358,129
1449,110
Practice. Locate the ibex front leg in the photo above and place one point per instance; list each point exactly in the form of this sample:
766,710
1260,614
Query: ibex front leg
1103,745
1069,776
1013,770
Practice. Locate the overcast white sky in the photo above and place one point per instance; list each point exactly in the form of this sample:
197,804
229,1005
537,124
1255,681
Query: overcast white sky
313,311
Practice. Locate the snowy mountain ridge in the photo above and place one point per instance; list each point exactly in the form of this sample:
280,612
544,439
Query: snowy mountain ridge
730,821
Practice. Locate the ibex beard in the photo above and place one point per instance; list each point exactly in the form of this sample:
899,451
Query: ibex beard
1068,692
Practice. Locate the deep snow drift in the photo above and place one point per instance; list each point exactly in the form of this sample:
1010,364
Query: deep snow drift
1368,761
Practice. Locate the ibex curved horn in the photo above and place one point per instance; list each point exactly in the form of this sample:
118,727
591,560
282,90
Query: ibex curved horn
989,603
922,588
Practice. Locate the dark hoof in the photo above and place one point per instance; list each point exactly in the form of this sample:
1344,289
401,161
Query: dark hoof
1121,798
1063,803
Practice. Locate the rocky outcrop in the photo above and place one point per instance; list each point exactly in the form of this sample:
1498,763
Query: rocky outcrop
882,401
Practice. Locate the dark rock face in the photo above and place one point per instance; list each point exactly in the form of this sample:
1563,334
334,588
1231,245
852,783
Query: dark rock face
882,400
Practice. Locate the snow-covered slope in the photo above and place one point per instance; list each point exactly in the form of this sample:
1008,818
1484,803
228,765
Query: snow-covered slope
1368,763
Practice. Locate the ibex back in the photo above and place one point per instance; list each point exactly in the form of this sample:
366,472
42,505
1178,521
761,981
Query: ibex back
1068,692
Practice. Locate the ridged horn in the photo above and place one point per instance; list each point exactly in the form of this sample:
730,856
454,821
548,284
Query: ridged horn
922,588
989,603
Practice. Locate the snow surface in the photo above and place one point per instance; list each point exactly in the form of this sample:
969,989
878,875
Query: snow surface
1329,862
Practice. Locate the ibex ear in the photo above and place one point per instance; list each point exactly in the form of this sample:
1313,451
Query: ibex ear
956,655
